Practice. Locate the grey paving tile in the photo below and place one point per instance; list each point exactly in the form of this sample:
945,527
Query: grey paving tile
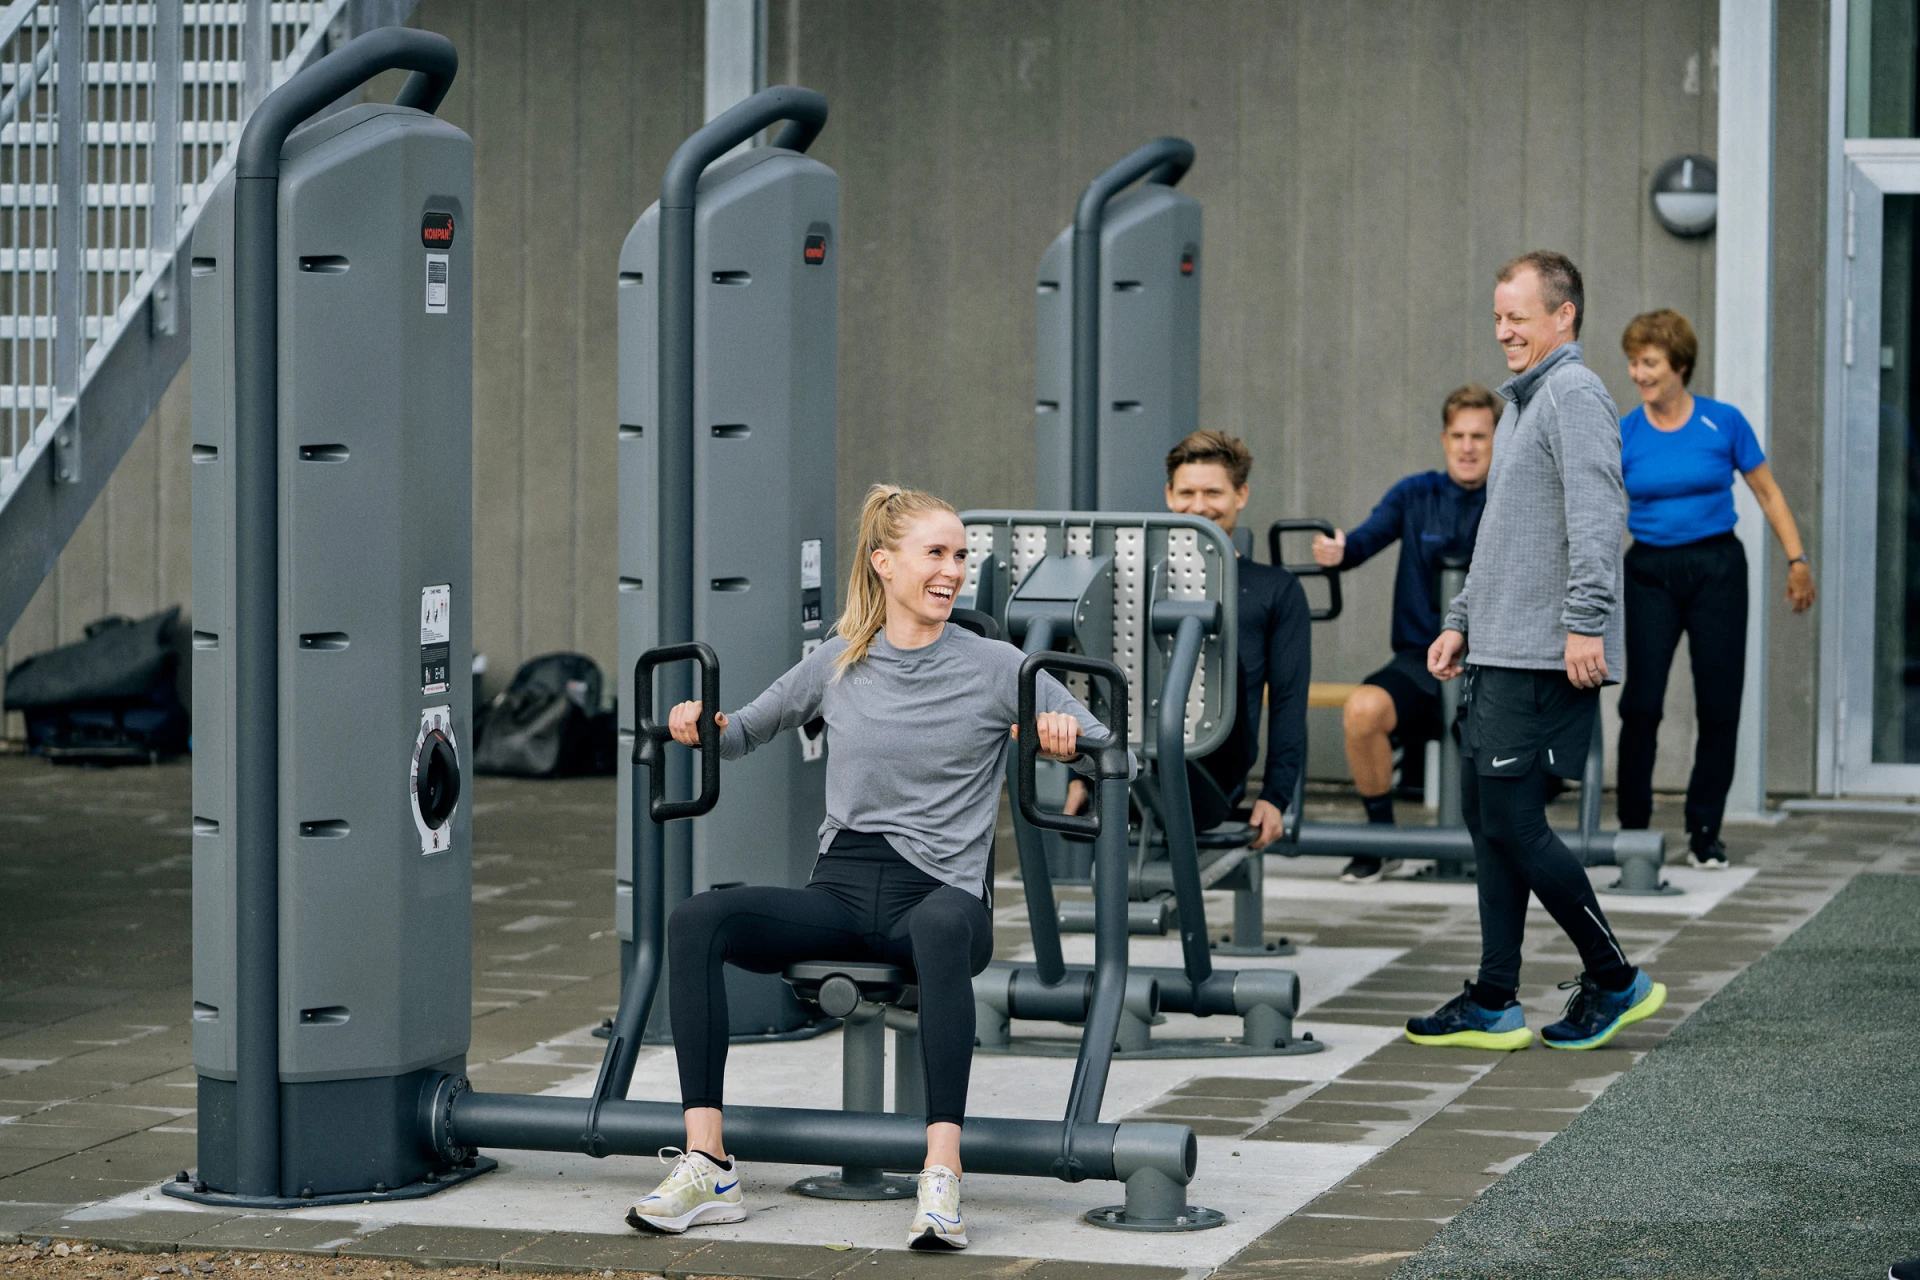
19,1159
1237,1087
1287,1129
1060,1269
1368,1234
572,1251
49,1184
1368,1092
910,1264
753,1261
154,1229
19,1217
441,1246
287,1235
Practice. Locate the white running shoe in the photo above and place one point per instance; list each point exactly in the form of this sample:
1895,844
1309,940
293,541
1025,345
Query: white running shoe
936,1222
696,1190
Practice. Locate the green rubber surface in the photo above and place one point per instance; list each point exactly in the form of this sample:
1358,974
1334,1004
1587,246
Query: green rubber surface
1775,1133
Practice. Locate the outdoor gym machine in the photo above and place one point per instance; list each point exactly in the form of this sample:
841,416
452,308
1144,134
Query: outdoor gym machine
1155,592
1117,350
332,858
1639,854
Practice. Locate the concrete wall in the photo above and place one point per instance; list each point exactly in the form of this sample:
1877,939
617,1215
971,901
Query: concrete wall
1364,166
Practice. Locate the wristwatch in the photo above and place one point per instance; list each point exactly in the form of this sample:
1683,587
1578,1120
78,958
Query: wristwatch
1801,559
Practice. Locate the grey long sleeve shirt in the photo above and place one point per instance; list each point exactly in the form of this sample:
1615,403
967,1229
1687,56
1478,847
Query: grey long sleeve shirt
916,742
1549,558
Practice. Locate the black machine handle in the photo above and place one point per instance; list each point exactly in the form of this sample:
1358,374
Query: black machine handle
649,735
804,111
1311,569
1164,161
1109,762
431,57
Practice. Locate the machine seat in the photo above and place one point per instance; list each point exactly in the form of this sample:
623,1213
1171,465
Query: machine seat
841,986
1228,835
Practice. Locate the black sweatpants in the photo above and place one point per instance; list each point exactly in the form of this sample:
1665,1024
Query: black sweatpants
865,902
1698,589
1516,853
1518,730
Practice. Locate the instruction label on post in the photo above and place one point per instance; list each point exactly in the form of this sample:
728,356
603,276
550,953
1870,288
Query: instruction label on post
436,636
810,607
436,284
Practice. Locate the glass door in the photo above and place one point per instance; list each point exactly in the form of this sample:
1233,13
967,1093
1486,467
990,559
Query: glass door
1878,568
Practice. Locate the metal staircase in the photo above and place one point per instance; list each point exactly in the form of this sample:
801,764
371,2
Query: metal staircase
94,238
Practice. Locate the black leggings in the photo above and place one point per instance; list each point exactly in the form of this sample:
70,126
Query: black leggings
1699,589
1517,853
865,902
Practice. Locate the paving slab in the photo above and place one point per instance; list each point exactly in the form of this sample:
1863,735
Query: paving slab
583,1251
276,1232
17,1217
759,1260
139,1232
441,1246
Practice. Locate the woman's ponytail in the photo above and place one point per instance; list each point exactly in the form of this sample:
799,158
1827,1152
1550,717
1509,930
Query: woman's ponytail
884,518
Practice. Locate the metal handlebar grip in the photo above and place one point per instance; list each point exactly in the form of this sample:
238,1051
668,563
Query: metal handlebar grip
1312,568
649,735
1111,761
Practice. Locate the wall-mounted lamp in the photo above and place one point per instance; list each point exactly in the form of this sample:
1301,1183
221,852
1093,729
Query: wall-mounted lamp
1685,193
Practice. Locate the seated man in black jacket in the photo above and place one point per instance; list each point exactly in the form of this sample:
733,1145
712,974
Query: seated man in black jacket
1207,476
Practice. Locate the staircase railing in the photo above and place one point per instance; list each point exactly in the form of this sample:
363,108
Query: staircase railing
155,92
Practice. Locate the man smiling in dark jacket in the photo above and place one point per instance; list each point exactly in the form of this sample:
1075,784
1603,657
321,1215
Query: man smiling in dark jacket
1431,514
1207,476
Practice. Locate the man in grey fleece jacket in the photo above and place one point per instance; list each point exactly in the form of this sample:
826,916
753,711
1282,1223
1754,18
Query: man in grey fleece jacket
1539,626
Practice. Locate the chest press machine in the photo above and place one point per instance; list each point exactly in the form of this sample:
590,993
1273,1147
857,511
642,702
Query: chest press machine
332,847
1155,594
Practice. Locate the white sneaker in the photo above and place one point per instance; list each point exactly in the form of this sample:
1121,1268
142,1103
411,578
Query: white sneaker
697,1190
1366,870
936,1222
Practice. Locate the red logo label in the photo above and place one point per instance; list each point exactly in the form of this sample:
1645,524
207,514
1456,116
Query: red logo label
814,251
436,231
1186,263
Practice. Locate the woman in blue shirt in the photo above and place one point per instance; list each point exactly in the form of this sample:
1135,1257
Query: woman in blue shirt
1686,572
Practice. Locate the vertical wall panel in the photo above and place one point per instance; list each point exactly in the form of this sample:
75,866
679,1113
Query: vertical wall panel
1365,169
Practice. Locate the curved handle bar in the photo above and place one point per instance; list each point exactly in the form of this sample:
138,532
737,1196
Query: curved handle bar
1111,762
1164,160
649,735
803,109
431,57
1311,569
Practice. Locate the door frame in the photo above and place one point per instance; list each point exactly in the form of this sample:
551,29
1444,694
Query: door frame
1871,169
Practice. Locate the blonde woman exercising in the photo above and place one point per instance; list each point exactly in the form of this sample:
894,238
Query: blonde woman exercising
920,713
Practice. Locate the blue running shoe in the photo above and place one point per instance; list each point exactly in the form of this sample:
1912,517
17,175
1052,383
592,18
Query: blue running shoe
1462,1022
1594,1015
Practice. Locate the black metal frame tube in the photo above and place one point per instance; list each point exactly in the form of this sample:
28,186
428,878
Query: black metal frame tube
807,113
1036,880
1165,161
1170,741
783,1135
256,555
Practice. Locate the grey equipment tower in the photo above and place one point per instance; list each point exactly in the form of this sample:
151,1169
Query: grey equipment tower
749,336
332,547
1117,343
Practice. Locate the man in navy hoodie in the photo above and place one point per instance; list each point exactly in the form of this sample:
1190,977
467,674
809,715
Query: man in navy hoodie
1431,514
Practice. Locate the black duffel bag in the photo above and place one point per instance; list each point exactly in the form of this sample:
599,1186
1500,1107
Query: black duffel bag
547,723
111,698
